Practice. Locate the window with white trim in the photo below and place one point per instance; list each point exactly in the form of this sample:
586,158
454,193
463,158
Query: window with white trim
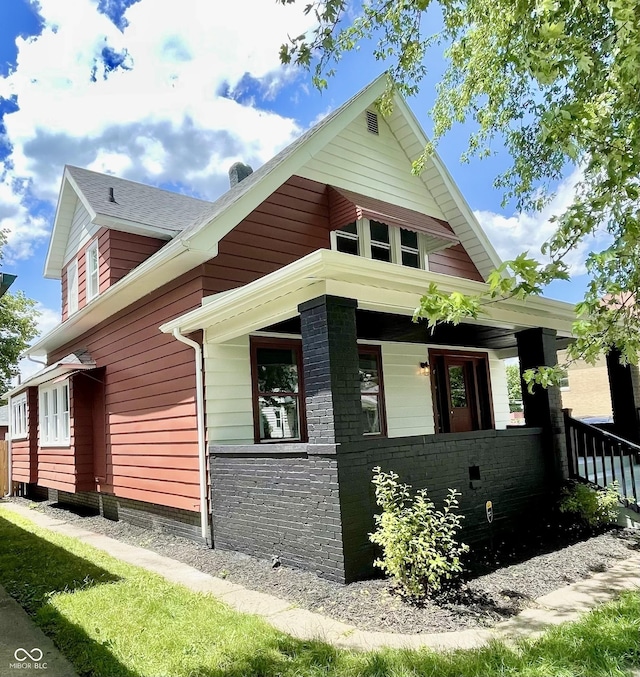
72,287
19,416
54,414
381,242
92,271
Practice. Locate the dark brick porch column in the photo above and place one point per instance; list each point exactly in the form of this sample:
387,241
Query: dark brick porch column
543,407
623,401
331,373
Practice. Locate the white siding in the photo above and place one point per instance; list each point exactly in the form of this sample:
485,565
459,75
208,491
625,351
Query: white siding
82,230
373,165
407,392
228,392
498,375
408,402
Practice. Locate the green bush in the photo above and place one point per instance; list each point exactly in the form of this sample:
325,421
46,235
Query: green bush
595,507
419,547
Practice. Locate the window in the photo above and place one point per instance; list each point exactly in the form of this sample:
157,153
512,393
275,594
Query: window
54,414
371,390
564,380
92,272
276,367
381,242
409,250
347,240
19,416
72,287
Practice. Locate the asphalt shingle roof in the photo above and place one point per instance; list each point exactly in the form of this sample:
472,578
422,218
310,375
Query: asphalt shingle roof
137,202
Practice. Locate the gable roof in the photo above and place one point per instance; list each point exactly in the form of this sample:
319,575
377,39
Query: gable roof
136,207
198,242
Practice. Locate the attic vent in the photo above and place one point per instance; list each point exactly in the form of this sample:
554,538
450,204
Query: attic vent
372,122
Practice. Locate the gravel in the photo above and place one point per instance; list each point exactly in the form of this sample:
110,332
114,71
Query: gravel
483,600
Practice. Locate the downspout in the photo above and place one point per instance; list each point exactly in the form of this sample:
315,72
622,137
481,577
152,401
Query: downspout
202,448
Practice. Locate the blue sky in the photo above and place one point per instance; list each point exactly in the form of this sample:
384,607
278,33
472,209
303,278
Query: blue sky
134,88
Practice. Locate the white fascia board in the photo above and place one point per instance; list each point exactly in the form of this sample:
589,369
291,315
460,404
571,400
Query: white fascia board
53,264
168,263
451,185
380,286
49,374
135,227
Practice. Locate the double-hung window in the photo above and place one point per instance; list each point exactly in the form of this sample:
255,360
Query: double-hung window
381,242
19,416
72,287
277,390
54,414
92,271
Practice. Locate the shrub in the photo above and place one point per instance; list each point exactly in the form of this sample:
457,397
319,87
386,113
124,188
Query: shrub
595,507
419,547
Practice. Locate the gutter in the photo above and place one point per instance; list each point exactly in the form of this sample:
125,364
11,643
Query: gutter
202,446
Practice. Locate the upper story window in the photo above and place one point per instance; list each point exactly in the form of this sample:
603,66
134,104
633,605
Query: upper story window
54,414
92,271
72,287
378,241
19,416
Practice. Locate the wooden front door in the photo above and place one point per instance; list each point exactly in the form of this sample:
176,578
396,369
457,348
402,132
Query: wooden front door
461,391
461,395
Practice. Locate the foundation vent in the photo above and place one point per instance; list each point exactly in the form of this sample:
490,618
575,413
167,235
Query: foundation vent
372,122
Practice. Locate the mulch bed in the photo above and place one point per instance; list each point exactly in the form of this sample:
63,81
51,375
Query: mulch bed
499,583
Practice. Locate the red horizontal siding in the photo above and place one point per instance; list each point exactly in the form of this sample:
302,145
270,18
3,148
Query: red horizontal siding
148,377
24,461
454,261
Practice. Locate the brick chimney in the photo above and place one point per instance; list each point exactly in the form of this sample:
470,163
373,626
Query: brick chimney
238,172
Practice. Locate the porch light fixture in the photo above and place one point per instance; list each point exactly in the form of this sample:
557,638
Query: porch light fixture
424,368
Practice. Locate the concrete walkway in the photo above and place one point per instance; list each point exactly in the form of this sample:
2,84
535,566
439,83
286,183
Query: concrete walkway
557,607
24,649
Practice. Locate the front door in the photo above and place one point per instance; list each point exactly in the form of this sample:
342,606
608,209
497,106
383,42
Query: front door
461,400
461,391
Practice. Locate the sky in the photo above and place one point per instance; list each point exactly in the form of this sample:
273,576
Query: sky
171,94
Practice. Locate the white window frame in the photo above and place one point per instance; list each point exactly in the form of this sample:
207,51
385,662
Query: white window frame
72,287
395,243
55,414
92,276
19,417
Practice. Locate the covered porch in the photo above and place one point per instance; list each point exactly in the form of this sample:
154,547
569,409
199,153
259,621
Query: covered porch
316,374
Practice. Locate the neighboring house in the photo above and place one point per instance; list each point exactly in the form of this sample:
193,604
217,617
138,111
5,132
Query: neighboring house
4,421
585,391
234,370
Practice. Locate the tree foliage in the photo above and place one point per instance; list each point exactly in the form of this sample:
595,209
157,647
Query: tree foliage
556,82
18,316
514,387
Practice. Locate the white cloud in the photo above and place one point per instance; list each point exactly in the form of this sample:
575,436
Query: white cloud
527,232
163,116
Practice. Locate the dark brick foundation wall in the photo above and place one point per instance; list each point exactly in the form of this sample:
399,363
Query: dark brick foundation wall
146,515
510,464
284,499
279,500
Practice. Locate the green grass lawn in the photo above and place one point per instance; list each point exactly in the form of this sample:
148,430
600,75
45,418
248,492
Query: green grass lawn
109,618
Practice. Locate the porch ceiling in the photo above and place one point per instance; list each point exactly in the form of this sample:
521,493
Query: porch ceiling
374,326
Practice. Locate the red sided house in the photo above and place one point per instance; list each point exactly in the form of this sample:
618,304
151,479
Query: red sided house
234,370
